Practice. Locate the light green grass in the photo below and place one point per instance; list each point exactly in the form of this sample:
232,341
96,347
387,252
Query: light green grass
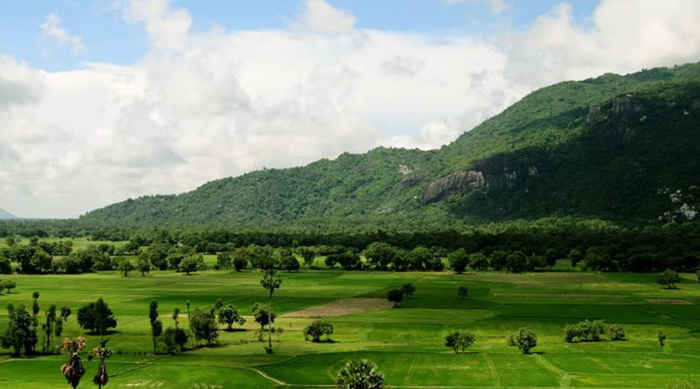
407,342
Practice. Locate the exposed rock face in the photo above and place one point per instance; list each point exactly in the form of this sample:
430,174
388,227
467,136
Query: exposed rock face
457,182
626,105
595,115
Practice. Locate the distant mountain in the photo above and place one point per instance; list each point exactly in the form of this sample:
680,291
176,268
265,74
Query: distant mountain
4,215
609,147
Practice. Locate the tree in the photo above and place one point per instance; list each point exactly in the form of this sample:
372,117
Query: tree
459,340
191,264
143,265
289,263
65,312
698,274
204,326
96,317
5,265
20,334
156,325
308,254
125,266
462,291
459,260
223,260
360,374
73,371
102,353
317,329
396,296
241,256
524,339
669,278
408,290
617,332
174,340
8,286
48,327
379,255
176,315
478,262
229,315
262,315
551,256
661,336
516,262
575,256
271,282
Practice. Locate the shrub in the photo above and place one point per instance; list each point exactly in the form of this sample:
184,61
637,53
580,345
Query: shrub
617,332
459,340
360,374
524,339
317,329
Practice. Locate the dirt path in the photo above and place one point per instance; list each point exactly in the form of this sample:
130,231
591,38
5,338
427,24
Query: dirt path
343,307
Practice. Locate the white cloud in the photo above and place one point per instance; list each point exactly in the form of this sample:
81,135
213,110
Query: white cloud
201,106
51,28
320,16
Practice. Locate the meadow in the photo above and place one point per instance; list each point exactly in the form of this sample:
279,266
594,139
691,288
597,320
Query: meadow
406,342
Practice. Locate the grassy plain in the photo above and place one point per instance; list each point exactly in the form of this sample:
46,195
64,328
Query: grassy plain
406,342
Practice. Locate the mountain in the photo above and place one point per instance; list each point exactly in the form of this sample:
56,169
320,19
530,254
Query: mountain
609,147
4,215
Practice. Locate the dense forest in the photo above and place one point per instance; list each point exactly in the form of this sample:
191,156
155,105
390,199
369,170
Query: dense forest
615,148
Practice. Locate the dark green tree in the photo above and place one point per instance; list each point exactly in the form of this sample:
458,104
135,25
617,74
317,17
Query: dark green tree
669,278
459,340
395,296
229,315
524,339
317,329
270,282
96,317
20,334
204,327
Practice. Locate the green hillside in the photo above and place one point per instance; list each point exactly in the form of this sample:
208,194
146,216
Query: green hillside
603,148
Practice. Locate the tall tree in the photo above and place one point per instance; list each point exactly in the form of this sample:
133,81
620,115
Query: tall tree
271,281
156,325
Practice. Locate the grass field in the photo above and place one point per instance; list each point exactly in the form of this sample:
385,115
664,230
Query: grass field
406,342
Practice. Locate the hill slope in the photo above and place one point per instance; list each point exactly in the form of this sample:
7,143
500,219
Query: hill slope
602,147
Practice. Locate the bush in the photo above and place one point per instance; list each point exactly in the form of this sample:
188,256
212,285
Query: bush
174,340
462,291
586,330
289,263
96,317
408,290
668,278
617,332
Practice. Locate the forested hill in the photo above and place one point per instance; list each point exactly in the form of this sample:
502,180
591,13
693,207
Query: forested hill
613,147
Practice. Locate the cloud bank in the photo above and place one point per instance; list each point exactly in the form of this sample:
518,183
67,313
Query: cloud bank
205,105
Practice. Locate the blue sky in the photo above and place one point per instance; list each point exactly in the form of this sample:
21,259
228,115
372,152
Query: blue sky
109,38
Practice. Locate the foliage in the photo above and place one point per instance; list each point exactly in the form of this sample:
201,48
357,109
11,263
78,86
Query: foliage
191,264
20,334
524,339
588,331
395,296
617,332
459,340
669,278
203,325
96,317
360,374
317,329
262,315
462,291
229,315
174,340
408,290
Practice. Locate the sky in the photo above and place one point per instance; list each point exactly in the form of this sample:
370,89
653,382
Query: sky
104,100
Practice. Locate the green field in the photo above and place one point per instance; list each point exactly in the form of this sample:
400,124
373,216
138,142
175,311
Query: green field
406,342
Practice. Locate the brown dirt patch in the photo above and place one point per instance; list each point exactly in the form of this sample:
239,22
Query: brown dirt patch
343,307
562,295
669,301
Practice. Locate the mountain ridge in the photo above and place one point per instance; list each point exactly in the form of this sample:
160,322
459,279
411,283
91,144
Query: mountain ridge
610,126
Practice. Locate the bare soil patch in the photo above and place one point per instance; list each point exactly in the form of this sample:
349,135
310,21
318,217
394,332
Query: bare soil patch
670,301
562,295
343,307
